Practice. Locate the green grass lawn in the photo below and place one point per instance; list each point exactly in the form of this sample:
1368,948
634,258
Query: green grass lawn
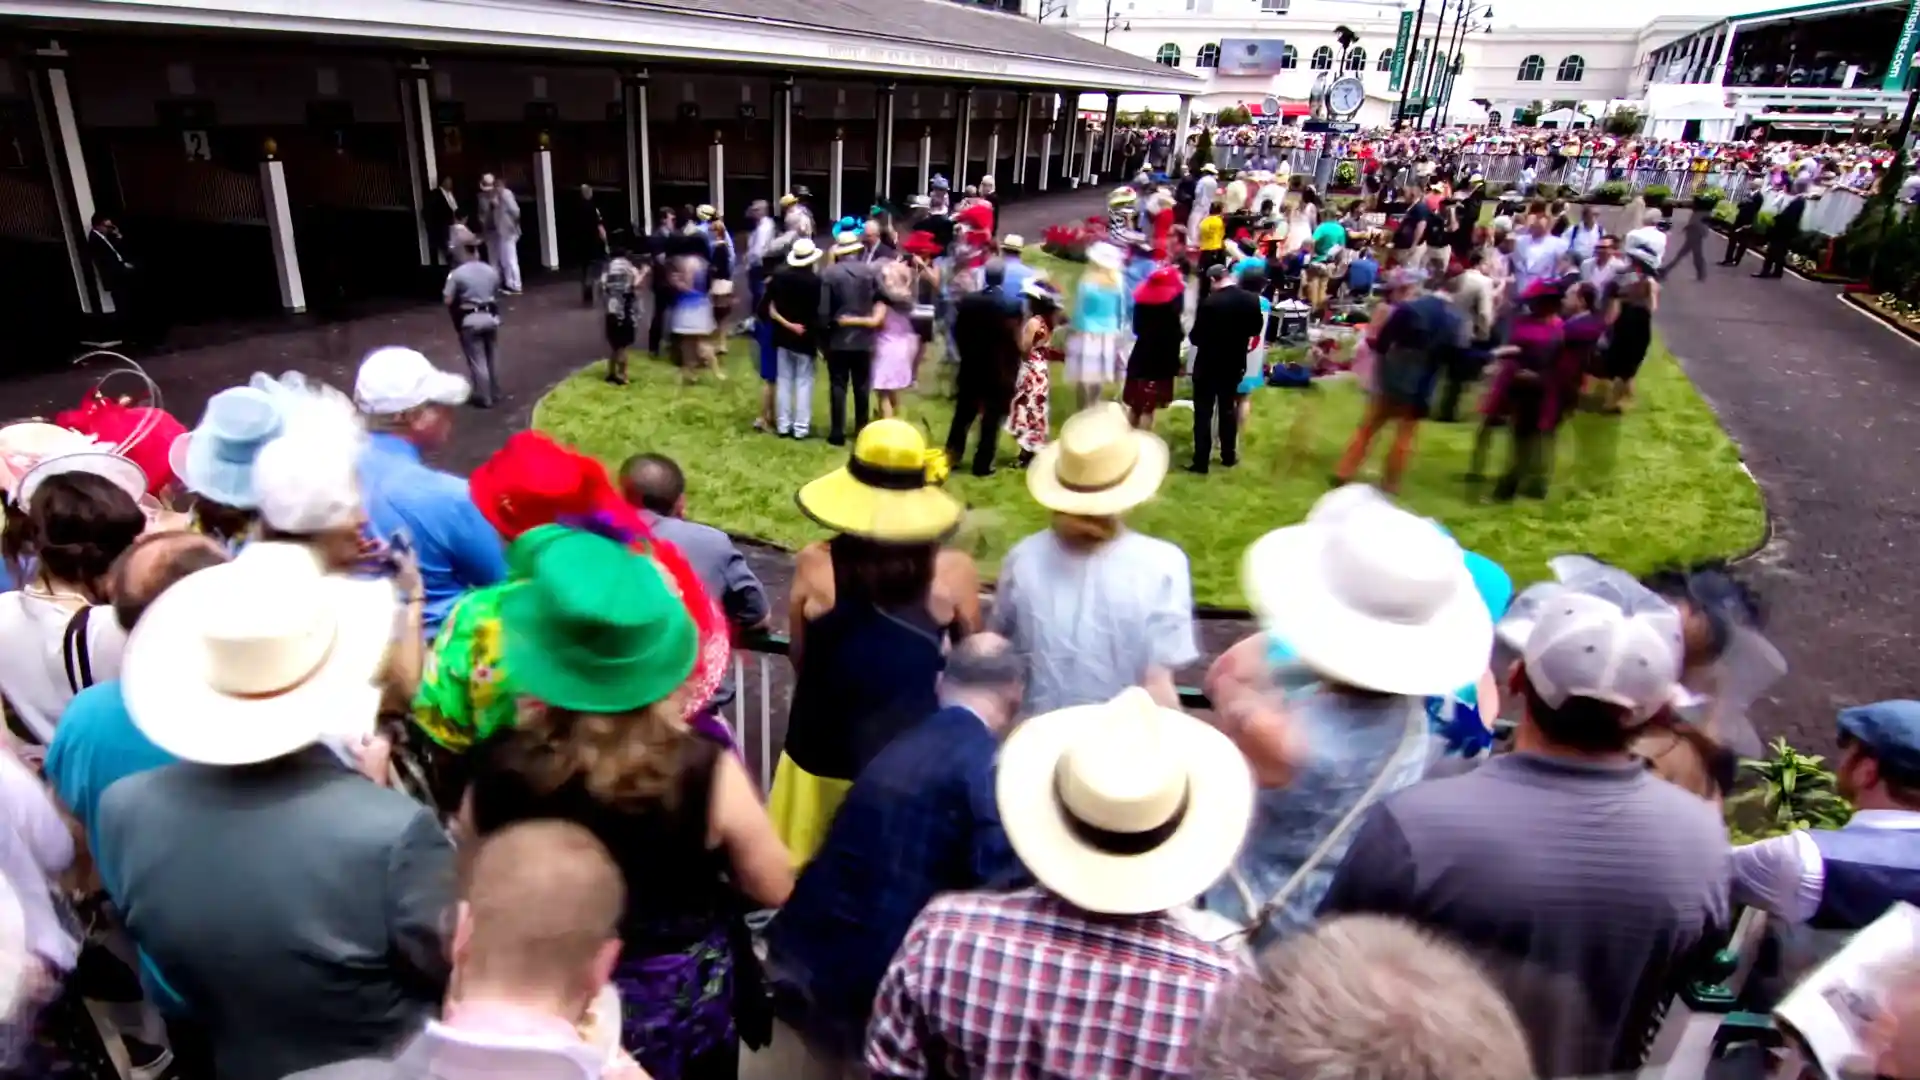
1661,485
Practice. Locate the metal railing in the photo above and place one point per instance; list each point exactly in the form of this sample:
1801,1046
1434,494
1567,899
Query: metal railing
763,691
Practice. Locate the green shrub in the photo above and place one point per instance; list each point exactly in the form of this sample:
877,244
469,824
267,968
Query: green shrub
1612,193
1656,194
1725,211
1707,199
1346,175
1794,791
1764,223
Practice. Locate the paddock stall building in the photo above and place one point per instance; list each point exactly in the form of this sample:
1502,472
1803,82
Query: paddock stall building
272,155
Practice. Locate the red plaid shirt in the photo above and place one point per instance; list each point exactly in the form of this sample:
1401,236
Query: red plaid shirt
1024,986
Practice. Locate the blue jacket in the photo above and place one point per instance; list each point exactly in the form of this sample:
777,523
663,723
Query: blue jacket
920,820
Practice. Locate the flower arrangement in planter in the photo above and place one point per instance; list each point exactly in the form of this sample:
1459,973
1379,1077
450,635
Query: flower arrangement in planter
1070,241
1346,176
1611,193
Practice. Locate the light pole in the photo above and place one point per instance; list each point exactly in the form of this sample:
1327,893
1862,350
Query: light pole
1427,71
1460,31
1406,64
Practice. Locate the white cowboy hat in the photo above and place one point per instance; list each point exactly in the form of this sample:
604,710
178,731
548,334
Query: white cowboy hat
1124,807
1209,168
847,243
487,182
254,659
1100,465
803,253
1013,242
1371,595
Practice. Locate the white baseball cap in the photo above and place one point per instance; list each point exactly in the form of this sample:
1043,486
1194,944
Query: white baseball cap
395,379
1597,634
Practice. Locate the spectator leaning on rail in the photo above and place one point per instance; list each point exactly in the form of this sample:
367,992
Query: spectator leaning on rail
1367,611
919,821
1843,879
1583,880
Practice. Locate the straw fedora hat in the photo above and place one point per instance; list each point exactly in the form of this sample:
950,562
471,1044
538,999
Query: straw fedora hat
1371,595
803,253
1100,465
887,489
259,657
1124,807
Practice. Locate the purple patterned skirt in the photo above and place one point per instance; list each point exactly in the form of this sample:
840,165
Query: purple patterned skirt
676,1009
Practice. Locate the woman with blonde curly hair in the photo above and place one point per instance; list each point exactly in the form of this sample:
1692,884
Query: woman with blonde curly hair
601,647
871,613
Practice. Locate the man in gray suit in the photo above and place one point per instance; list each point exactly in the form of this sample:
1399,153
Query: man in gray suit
538,935
291,907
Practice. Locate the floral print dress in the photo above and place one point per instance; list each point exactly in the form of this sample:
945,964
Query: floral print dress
1028,419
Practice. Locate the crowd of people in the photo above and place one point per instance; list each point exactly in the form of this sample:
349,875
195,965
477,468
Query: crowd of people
323,762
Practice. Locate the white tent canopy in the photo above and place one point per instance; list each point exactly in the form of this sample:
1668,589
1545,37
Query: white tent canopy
1566,118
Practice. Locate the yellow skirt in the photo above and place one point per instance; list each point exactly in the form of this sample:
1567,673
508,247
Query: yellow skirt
802,806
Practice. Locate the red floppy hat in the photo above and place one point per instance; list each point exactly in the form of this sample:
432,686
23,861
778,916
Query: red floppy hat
1162,286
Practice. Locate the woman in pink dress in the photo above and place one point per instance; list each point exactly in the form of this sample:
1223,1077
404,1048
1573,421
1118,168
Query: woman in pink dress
1028,420
896,346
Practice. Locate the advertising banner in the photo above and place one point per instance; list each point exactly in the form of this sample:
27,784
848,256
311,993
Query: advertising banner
1251,56
1402,41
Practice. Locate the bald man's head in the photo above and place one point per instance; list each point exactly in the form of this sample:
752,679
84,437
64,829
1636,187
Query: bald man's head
542,912
152,565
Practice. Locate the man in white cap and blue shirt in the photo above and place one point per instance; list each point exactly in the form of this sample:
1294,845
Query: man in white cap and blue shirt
1584,880
408,404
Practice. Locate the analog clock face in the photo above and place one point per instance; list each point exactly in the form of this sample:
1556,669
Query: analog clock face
1346,95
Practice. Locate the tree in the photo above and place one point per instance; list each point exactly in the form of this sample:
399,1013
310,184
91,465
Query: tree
1235,114
1528,115
1623,122
1203,150
1558,105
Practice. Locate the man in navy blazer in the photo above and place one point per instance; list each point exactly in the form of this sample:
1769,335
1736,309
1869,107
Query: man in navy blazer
920,820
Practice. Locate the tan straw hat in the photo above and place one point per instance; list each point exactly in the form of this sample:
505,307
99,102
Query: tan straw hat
1124,807
1100,465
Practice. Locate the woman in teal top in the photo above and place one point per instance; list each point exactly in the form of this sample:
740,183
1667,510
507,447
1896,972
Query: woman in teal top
1093,356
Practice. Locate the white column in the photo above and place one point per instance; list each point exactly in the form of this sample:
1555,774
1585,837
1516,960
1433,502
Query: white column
926,160
416,119
1070,115
1046,155
639,168
1021,135
717,175
783,135
543,198
883,104
286,254
1181,129
836,164
1086,163
993,152
67,167
962,138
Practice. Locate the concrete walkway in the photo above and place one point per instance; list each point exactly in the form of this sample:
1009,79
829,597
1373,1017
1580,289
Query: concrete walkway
1825,404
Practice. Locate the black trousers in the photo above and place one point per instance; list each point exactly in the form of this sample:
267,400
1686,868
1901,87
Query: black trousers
989,406
1735,248
1775,262
1460,370
1210,397
847,369
662,300
1527,463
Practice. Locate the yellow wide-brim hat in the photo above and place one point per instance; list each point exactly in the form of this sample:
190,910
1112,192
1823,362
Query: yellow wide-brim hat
888,490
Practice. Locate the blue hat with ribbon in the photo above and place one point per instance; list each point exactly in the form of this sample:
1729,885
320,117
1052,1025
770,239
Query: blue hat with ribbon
215,460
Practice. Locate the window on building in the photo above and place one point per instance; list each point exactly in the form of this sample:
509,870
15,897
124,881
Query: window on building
1208,56
1532,69
1386,61
1289,57
1275,7
1323,58
1572,69
1169,55
1357,59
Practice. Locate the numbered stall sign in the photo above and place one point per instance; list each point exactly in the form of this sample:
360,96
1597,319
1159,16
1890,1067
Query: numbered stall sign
198,146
